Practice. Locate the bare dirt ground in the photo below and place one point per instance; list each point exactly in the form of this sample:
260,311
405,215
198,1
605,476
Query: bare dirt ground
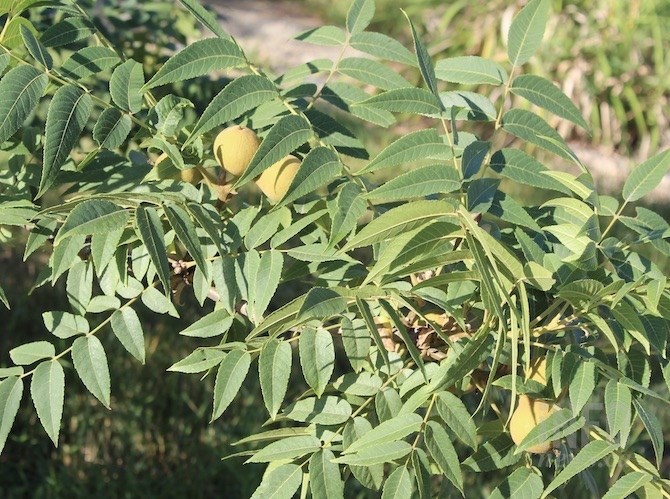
265,29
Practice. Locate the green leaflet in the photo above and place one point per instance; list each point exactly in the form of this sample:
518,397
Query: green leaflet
236,98
150,231
424,60
324,476
627,485
90,362
545,94
417,183
646,176
470,70
89,61
36,49
20,91
320,166
11,392
232,371
359,15
349,206
591,453
526,32
64,324
185,229
112,128
91,217
323,35
205,18
443,452
69,30
213,324
317,358
389,431
523,482
326,410
399,220
530,127
125,84
414,146
382,46
372,72
67,116
402,100
280,483
47,389
32,352
198,59
128,330
274,369
398,485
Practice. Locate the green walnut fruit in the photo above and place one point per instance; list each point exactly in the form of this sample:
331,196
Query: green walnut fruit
275,181
234,147
528,414
192,176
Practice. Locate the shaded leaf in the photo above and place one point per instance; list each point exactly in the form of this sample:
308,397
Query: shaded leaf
36,49
69,30
89,61
318,168
11,392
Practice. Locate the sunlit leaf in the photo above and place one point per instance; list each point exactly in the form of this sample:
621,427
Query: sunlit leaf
198,59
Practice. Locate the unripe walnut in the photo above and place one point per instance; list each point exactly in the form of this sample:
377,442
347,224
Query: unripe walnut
192,176
528,414
234,147
275,181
